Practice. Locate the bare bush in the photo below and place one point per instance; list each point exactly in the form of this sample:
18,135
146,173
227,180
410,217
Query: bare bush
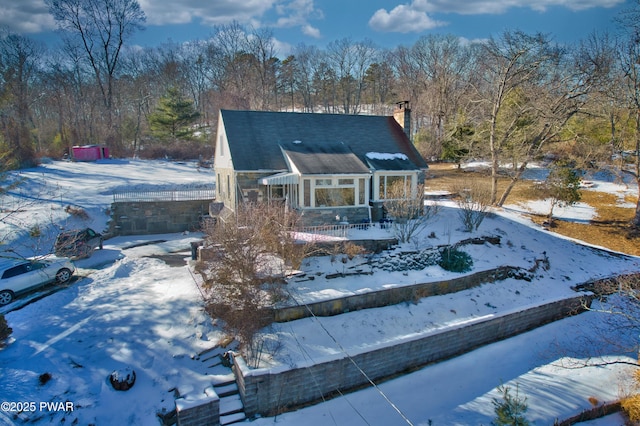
78,212
5,330
244,277
408,211
473,200
181,150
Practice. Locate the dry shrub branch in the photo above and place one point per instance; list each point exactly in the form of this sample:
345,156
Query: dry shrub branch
474,200
244,276
408,210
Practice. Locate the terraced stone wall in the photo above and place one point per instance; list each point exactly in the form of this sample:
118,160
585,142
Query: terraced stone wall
392,296
267,392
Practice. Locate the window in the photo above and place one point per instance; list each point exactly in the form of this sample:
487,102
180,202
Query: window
15,271
335,197
307,192
276,192
394,187
334,192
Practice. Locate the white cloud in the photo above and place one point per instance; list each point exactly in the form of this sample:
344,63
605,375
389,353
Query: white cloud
288,14
32,16
404,19
25,16
311,31
297,13
416,16
212,12
478,7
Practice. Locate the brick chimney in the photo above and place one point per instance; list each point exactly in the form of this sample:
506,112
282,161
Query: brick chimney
402,114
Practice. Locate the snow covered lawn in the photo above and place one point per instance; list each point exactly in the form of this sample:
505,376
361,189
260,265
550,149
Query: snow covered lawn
130,310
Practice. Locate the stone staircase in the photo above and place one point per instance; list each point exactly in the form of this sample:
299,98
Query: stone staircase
224,384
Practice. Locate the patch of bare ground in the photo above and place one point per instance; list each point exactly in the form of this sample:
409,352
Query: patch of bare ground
610,228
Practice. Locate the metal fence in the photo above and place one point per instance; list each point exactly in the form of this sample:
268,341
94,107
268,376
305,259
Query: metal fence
165,195
341,230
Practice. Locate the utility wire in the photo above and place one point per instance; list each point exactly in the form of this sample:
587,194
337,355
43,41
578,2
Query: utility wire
353,361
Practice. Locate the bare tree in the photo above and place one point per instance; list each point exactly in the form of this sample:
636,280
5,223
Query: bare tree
100,28
508,63
349,63
19,61
308,60
535,89
261,45
445,64
629,50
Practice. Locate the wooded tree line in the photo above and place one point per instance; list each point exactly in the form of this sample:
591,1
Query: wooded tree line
510,98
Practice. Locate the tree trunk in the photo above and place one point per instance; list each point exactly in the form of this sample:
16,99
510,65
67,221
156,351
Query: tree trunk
512,184
636,218
494,151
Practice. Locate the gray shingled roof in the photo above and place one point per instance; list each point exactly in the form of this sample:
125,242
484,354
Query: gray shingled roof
324,143
323,158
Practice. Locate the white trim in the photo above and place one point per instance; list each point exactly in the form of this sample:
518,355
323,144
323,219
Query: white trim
283,178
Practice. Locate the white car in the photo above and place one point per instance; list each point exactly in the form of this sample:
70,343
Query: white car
21,275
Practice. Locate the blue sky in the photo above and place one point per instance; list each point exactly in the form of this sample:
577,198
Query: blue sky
388,23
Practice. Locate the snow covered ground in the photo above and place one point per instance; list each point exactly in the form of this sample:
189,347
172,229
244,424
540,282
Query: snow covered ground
128,309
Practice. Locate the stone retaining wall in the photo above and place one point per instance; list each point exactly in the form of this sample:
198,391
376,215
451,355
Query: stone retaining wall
392,296
197,410
157,217
267,392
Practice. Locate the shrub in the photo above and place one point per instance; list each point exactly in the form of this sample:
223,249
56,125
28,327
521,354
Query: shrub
474,199
454,260
631,403
408,210
5,330
35,231
510,409
78,212
179,151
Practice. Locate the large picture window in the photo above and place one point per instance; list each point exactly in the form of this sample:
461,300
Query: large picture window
333,192
335,197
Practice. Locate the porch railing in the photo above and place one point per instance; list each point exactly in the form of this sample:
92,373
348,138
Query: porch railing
165,195
341,230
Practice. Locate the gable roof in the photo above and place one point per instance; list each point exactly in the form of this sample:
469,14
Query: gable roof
257,140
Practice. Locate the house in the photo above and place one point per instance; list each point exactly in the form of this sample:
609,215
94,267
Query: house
332,168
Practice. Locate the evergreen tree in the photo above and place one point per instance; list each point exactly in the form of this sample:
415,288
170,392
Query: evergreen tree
173,117
510,409
562,185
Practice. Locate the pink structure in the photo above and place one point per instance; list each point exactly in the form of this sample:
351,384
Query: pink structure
90,152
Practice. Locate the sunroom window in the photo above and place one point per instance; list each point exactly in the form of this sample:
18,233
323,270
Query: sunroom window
333,192
394,187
